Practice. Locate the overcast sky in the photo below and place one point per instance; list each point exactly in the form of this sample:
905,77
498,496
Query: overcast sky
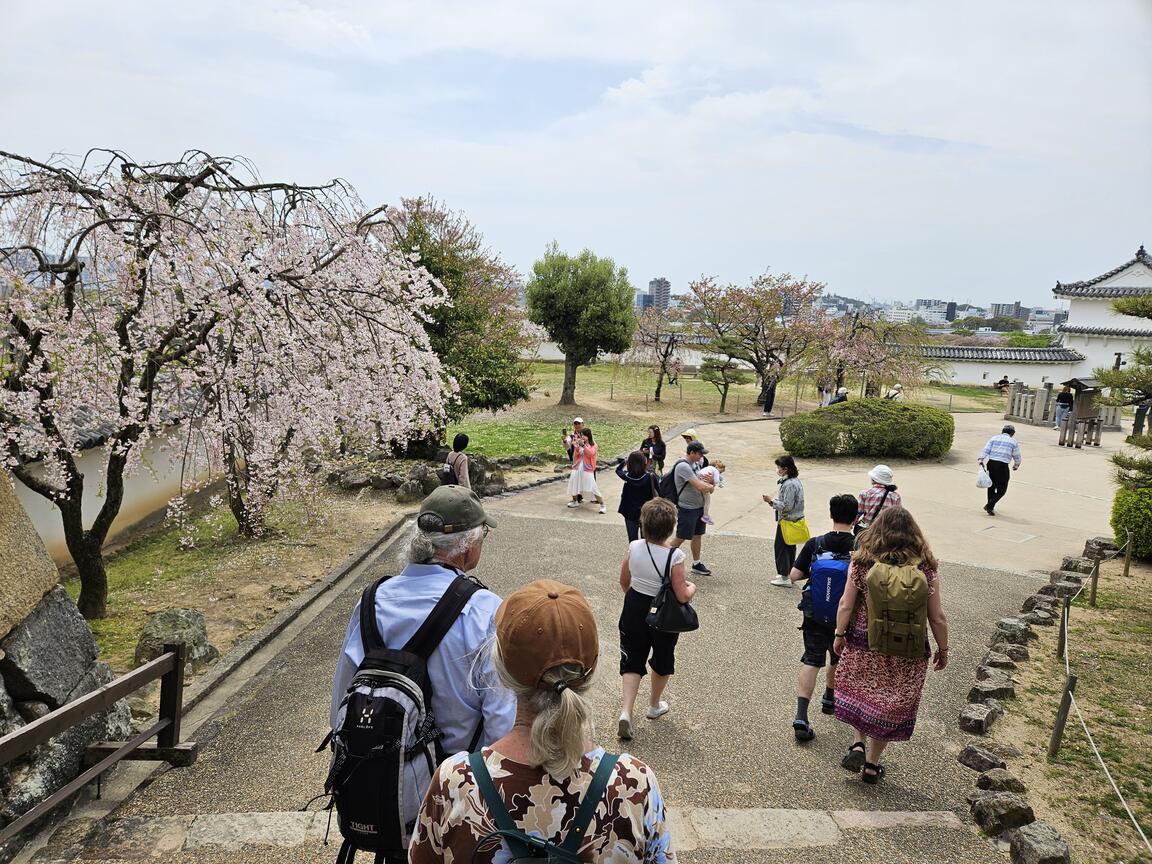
974,151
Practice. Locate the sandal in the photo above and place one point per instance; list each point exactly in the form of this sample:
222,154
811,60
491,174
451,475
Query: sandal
854,759
802,730
828,706
877,773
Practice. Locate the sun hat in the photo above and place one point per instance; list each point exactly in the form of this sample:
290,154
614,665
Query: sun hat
881,474
842,391
450,510
543,625
688,433
897,386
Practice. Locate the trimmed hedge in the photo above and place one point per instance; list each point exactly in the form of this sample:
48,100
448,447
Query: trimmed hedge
1132,510
870,427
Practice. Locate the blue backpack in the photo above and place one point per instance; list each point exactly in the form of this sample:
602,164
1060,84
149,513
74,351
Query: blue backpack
826,579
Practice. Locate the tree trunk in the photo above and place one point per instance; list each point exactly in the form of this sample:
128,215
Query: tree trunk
724,396
659,384
86,552
568,394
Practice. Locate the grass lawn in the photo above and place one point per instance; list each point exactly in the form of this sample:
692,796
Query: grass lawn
1109,650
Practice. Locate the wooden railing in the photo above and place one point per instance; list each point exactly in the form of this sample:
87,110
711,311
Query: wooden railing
169,668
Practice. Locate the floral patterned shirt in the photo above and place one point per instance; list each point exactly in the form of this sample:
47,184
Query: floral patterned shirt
628,827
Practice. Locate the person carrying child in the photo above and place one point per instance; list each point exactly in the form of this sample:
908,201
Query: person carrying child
714,474
823,564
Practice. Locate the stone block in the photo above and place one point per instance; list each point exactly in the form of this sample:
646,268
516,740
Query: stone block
353,479
1099,547
979,759
1000,780
1065,576
1016,653
47,654
983,690
996,706
23,552
993,674
1000,812
384,481
1038,601
410,492
10,719
1061,589
430,482
976,719
996,660
1039,617
176,625
1018,631
1039,843
1077,565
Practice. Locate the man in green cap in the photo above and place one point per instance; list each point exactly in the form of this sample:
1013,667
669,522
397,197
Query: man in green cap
471,709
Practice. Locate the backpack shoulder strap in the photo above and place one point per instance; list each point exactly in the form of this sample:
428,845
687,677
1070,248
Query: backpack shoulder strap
496,807
370,636
579,826
442,617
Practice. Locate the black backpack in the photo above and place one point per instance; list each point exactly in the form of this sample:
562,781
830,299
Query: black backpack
384,724
524,847
447,472
668,487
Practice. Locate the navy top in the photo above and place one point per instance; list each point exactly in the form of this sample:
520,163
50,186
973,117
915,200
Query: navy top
636,491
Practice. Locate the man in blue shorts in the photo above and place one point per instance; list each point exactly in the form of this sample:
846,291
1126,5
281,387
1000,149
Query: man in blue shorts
823,564
690,504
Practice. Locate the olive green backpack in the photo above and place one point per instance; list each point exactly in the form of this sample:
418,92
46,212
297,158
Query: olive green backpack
897,609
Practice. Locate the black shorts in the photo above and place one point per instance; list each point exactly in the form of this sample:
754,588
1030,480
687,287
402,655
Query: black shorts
818,639
638,641
689,522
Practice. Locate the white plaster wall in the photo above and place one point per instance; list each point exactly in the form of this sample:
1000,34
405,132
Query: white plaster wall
1100,351
1097,312
986,373
145,492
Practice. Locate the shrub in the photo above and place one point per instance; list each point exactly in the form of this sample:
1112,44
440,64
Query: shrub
870,427
1132,511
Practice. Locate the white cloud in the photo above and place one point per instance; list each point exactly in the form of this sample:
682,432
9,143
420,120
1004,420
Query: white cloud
891,148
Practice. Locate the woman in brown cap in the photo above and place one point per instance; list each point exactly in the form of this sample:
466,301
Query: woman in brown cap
538,774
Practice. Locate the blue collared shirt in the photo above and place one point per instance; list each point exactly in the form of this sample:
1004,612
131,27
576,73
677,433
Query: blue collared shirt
461,695
1001,448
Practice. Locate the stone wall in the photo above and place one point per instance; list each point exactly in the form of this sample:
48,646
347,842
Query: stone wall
47,659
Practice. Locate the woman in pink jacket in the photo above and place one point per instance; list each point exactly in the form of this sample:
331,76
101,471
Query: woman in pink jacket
582,481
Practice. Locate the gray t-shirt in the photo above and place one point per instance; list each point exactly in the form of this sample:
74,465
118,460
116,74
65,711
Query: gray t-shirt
691,498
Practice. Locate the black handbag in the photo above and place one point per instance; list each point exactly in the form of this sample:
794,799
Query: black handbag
667,614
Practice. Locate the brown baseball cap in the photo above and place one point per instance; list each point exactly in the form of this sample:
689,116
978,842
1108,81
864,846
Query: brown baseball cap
543,625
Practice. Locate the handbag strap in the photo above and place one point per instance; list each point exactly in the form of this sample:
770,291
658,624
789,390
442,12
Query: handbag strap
879,507
666,576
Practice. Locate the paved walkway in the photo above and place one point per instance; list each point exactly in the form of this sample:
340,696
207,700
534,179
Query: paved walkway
740,788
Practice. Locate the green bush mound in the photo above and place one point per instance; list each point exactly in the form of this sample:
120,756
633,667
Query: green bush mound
1132,511
870,427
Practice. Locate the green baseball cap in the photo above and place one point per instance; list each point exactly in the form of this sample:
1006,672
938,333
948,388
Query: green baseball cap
450,510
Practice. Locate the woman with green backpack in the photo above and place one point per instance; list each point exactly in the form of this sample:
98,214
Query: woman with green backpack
544,790
891,600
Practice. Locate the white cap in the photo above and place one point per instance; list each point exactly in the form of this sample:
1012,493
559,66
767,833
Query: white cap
842,390
898,387
577,419
881,474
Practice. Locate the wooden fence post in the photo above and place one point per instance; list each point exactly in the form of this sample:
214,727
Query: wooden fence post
1095,580
172,696
1062,636
1061,717
1127,554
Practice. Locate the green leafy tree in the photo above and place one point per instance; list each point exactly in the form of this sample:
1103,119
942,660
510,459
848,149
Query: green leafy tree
479,336
722,372
1028,340
584,303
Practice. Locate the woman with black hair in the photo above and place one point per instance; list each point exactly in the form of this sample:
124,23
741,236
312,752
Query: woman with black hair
458,460
657,449
789,507
639,488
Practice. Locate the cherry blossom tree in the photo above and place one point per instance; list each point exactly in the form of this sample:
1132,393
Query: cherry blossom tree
879,352
659,336
267,315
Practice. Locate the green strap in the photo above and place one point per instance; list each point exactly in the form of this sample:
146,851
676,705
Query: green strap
496,805
596,789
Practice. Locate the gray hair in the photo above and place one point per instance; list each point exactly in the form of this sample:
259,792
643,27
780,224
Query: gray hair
424,547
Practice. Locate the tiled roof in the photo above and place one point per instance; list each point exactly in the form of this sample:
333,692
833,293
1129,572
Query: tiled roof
1002,355
1087,287
1105,331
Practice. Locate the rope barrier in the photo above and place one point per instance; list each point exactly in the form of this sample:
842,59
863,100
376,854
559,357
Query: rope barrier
1070,699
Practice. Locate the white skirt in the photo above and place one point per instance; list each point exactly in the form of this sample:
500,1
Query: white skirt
582,482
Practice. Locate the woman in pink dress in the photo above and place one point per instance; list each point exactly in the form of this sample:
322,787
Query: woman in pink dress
876,693
582,481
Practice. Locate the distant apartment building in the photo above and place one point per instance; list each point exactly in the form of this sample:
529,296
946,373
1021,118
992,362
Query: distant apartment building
1009,310
644,300
660,290
950,311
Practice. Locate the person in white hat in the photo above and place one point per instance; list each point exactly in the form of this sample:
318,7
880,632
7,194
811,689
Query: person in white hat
879,496
569,440
896,394
841,396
